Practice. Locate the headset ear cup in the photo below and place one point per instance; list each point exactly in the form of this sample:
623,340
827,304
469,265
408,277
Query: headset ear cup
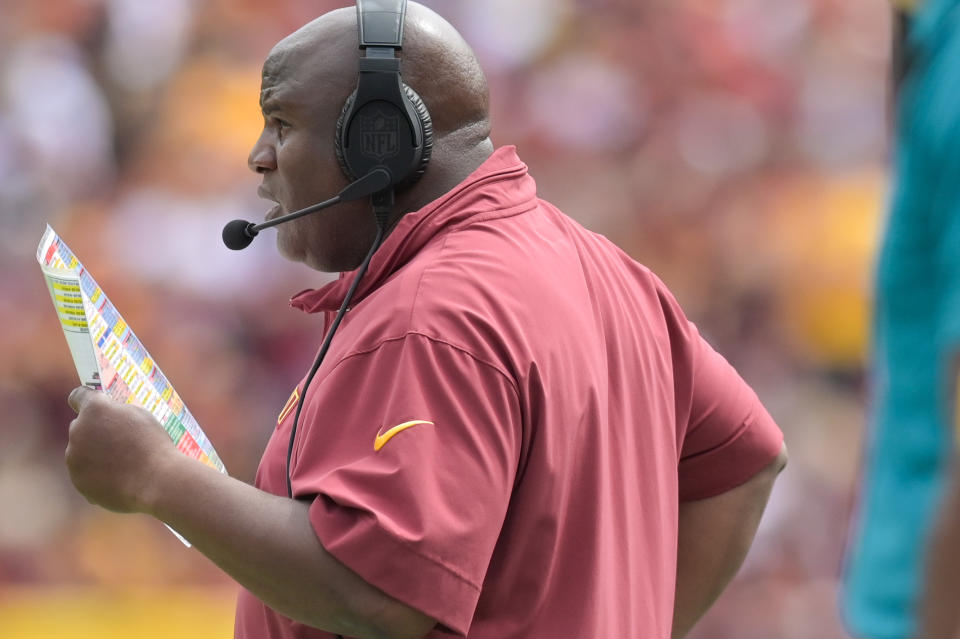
338,138
426,125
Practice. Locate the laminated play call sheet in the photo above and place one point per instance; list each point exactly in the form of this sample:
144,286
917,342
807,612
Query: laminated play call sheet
108,355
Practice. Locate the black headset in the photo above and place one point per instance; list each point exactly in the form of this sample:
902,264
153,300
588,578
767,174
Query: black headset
383,125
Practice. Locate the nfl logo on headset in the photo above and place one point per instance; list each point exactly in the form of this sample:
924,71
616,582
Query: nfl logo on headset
378,135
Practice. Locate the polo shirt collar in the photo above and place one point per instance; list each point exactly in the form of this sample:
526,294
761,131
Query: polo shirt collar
499,187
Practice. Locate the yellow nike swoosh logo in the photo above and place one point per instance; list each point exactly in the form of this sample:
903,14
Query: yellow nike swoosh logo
383,438
290,405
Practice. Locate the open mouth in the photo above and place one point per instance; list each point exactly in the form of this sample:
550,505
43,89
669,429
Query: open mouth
266,195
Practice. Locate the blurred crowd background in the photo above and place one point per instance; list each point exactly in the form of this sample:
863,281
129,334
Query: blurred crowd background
737,147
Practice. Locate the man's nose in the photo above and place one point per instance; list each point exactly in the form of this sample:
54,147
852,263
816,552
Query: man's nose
263,156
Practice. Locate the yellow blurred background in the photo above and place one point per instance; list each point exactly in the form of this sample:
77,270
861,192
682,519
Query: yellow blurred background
102,613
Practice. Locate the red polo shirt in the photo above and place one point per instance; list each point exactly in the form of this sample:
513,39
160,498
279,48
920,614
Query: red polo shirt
505,424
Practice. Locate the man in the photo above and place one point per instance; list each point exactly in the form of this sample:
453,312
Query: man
916,343
515,433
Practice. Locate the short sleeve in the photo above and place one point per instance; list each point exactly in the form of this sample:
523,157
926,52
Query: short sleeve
409,453
730,436
726,435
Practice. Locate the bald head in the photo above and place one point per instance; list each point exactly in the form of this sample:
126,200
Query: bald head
308,77
321,60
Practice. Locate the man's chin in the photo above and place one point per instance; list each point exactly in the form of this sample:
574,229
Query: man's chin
299,255
286,252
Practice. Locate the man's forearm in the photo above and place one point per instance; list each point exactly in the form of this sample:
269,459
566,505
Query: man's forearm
713,538
939,613
267,544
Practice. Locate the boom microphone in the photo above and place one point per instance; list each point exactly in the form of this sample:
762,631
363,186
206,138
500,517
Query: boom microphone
238,234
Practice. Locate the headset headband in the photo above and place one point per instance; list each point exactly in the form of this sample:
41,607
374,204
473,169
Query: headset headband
381,23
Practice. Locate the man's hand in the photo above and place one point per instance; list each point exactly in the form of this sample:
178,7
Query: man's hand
114,451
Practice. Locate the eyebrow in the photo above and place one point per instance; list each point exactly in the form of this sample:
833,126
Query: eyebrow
282,99
271,101
266,97
267,107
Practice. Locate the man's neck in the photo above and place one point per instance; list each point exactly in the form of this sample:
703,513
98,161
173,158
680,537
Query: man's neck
450,165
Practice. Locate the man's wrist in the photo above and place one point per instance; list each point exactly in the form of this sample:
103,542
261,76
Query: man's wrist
163,476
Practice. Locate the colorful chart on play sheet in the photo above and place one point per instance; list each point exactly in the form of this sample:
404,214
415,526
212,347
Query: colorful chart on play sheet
108,355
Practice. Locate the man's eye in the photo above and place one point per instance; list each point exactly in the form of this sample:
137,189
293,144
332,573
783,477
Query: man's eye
282,127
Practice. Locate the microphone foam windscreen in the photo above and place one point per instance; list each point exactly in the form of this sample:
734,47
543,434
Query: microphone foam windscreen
237,235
